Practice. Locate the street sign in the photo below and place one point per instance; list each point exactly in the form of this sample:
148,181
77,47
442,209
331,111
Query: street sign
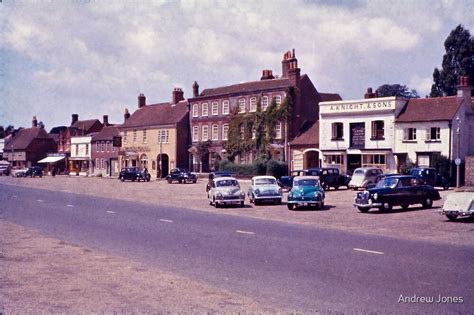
457,161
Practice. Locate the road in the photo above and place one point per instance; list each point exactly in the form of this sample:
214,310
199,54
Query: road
288,266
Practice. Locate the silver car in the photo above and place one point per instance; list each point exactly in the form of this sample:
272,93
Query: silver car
264,188
225,191
363,177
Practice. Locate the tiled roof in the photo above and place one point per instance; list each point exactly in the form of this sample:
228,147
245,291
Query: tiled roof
247,87
24,138
157,114
85,125
308,134
429,109
107,133
330,97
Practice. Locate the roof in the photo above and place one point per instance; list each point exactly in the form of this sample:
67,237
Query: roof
107,133
24,138
85,125
247,87
308,134
157,114
430,109
330,97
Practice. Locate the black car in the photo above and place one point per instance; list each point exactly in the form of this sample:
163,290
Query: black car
217,174
181,175
400,190
379,178
34,171
329,177
134,174
430,176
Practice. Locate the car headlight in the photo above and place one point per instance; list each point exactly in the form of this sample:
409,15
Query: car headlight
219,194
242,194
257,191
376,196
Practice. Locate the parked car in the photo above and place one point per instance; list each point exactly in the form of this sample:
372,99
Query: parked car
225,191
34,171
18,172
286,182
430,176
181,175
264,188
4,168
379,178
400,190
134,174
458,204
306,191
329,177
364,176
213,175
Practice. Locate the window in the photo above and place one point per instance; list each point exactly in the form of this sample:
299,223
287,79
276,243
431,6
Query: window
163,136
337,131
225,107
278,130
264,103
373,160
409,134
195,134
334,159
204,110
144,135
134,136
205,133
215,108
242,131
113,148
87,149
107,146
242,105
195,110
102,146
433,134
97,165
225,131
125,137
97,146
278,99
377,130
102,164
253,104
215,132
77,149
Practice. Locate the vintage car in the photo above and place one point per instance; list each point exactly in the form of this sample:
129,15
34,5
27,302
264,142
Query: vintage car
264,188
181,175
379,178
329,177
458,204
34,171
18,171
5,168
134,174
225,191
400,190
364,176
213,175
306,191
430,176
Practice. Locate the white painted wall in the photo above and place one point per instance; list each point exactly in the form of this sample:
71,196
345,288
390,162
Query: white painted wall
82,142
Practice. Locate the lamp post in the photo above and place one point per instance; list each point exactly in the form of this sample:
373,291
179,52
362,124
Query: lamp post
458,159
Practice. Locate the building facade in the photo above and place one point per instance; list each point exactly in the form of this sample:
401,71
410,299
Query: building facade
104,154
156,136
81,157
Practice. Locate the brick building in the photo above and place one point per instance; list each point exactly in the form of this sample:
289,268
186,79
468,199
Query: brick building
104,155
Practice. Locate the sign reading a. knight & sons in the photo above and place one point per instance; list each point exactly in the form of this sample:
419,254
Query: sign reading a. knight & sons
369,106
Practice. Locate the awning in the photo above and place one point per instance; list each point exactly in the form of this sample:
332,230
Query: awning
51,159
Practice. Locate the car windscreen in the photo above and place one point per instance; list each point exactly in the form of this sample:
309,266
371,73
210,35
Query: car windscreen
265,181
387,182
306,182
358,172
226,183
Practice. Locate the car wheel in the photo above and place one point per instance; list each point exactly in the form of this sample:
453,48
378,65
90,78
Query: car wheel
322,205
169,181
148,179
242,203
446,187
290,206
194,182
428,203
122,179
452,217
386,207
363,209
134,179
405,206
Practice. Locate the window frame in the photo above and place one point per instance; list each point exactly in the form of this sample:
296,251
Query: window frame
195,133
253,104
215,108
265,102
225,132
377,133
204,133
335,128
195,110
225,107
215,132
242,104
204,110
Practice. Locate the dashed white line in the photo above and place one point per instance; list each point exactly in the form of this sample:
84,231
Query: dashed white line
245,232
70,206
110,212
165,220
15,196
368,251
40,200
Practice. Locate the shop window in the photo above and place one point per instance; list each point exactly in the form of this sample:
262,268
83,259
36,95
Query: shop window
374,160
409,134
337,131
433,134
334,159
378,130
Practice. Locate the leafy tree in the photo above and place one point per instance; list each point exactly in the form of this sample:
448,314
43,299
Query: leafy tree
458,61
396,90
2,132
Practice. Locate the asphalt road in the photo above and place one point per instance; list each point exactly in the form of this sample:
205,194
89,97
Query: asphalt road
291,267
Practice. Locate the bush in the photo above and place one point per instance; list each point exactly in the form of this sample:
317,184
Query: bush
261,167
270,167
406,167
442,164
237,169
277,169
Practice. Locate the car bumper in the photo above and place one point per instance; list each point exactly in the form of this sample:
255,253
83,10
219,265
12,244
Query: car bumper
230,201
457,212
268,197
306,202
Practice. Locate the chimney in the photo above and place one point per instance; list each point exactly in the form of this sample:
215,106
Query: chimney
267,75
126,115
106,120
369,93
177,95
195,89
75,118
141,100
465,90
34,122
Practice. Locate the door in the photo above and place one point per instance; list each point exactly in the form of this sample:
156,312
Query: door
353,161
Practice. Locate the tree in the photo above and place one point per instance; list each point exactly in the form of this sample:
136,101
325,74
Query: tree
396,90
458,61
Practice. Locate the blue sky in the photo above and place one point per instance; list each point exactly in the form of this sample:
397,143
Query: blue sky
94,57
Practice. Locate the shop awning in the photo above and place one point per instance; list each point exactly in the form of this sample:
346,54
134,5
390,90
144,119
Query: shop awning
51,159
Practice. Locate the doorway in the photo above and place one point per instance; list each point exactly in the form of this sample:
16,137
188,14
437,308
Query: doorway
353,161
163,161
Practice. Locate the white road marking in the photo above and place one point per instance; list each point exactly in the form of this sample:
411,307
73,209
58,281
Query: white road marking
110,212
245,232
70,206
15,196
40,200
165,220
368,251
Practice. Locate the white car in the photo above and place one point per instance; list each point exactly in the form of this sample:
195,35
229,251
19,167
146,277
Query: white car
264,188
225,191
458,204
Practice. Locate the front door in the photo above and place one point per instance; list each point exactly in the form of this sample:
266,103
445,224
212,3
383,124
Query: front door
353,161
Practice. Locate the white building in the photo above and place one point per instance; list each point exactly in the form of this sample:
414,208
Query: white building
359,133
81,155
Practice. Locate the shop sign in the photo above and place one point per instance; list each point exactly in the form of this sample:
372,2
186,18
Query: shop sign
357,107
137,149
357,136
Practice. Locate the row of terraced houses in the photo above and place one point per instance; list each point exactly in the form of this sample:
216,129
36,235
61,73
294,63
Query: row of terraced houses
322,130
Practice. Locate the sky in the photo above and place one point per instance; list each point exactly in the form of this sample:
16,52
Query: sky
93,58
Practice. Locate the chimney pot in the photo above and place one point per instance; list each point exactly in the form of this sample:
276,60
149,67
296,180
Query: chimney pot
106,120
126,115
195,89
370,93
75,118
141,100
34,122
